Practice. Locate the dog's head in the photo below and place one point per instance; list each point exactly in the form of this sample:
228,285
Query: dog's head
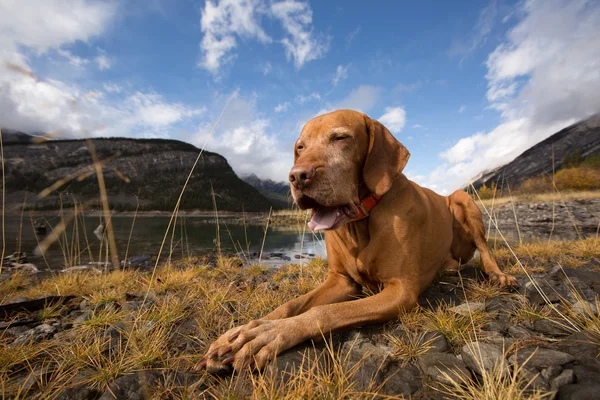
337,154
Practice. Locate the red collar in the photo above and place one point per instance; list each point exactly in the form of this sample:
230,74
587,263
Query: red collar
366,205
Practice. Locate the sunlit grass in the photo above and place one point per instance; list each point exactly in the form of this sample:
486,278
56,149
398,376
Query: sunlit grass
456,328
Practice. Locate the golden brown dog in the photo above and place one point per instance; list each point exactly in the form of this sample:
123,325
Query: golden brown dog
411,233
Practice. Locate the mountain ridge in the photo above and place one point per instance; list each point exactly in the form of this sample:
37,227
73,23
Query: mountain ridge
148,172
581,138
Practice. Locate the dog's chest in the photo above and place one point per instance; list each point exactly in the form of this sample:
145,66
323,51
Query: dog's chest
351,249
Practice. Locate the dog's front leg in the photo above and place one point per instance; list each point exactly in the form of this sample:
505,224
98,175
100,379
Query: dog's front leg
260,341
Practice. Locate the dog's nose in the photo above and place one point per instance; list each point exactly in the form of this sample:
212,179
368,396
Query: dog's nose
301,175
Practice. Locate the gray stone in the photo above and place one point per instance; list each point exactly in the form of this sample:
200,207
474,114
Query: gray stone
566,377
375,367
130,387
539,357
82,318
551,372
36,335
443,367
437,341
579,392
519,332
498,340
534,379
588,372
580,345
79,392
535,297
468,308
549,327
583,308
482,356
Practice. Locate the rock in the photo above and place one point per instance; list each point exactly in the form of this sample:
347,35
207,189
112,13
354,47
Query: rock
535,297
468,308
534,379
27,268
498,340
136,305
375,367
131,387
566,377
79,392
496,326
443,367
588,372
579,392
550,327
540,357
502,304
482,356
82,318
82,268
586,309
519,332
17,330
580,345
437,341
551,372
84,305
36,335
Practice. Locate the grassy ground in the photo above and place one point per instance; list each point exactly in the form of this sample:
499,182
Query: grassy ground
541,197
163,322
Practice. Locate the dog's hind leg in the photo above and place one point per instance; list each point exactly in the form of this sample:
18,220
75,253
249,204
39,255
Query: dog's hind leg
472,222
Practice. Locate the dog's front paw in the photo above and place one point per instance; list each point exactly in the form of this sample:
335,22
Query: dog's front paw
253,344
503,280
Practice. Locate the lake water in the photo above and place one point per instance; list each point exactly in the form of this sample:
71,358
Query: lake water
193,236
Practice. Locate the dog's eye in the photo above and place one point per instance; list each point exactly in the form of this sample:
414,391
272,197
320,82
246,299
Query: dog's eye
340,138
300,147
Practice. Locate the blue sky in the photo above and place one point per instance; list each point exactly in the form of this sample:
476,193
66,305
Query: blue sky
466,86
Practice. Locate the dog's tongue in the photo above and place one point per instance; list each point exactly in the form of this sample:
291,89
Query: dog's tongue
323,218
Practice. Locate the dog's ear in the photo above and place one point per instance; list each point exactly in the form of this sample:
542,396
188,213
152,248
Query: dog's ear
386,158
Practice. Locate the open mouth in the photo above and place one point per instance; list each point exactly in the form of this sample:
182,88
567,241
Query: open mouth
326,217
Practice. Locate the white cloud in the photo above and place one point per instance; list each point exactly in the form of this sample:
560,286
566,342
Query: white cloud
417,126
543,77
301,43
32,104
243,137
74,60
267,69
314,96
478,36
226,21
282,107
102,60
461,109
50,24
151,110
351,36
362,99
394,118
222,22
112,88
341,73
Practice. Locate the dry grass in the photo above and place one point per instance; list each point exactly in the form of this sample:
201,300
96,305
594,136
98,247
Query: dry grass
541,197
538,256
457,328
210,299
493,385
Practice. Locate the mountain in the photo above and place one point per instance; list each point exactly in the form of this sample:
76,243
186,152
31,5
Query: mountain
580,140
277,192
152,171
12,136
